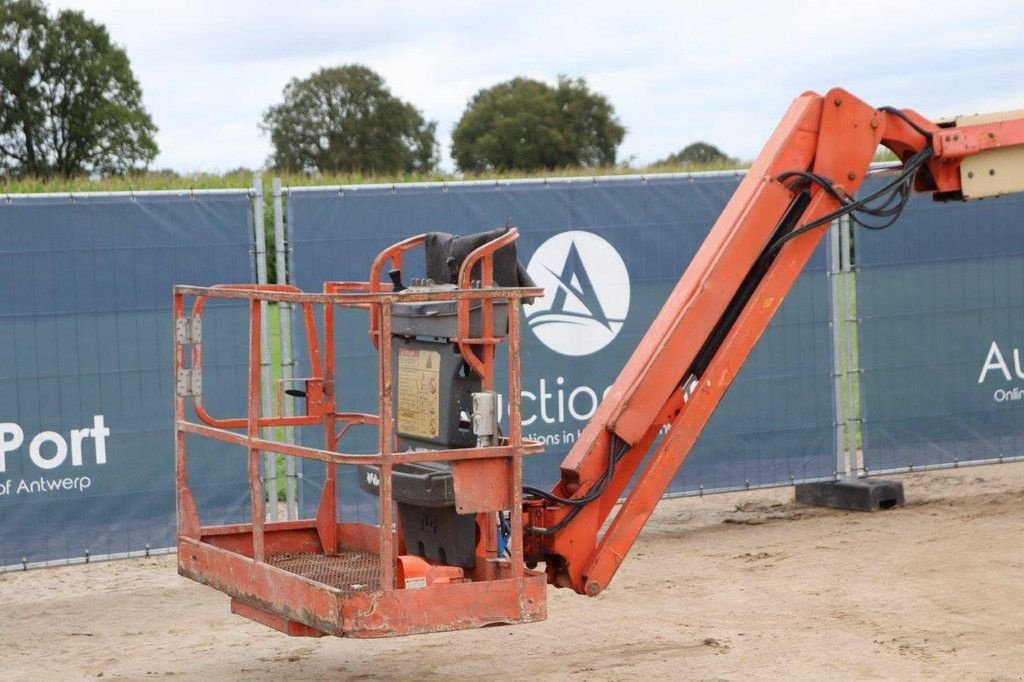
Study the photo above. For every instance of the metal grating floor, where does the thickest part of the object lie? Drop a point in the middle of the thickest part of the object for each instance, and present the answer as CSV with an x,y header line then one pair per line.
x,y
349,571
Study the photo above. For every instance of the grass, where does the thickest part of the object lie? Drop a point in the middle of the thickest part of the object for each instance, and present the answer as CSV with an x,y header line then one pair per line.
x,y
141,182
278,433
355,178
848,346
242,179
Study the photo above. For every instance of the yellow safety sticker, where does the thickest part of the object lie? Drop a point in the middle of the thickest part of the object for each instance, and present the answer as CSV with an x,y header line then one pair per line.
x,y
419,403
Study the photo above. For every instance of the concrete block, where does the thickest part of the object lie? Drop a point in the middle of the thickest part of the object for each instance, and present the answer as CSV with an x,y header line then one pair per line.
x,y
859,495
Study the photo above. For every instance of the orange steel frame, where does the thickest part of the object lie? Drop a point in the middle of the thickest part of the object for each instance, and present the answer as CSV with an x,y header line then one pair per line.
x,y
834,136
238,559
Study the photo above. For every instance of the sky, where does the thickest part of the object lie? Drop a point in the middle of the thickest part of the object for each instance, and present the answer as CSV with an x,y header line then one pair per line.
x,y
676,72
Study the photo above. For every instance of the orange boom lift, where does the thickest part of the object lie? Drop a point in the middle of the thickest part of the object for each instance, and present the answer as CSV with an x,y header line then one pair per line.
x,y
462,548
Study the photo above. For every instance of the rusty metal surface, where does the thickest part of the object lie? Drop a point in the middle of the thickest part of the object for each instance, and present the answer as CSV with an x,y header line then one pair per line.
x,y
281,598
359,300
481,485
348,571
278,592
529,447
272,620
441,608
482,363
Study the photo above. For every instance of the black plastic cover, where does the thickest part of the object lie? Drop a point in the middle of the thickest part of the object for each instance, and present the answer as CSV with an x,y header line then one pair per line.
x,y
446,252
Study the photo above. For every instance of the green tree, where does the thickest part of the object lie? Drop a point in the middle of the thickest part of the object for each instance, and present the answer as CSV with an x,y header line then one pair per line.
x,y
525,124
346,119
69,103
697,154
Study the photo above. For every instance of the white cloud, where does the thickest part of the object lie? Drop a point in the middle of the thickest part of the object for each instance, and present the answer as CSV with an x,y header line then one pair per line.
x,y
676,72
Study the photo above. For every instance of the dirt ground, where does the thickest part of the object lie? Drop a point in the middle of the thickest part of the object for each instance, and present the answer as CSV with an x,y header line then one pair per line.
x,y
737,586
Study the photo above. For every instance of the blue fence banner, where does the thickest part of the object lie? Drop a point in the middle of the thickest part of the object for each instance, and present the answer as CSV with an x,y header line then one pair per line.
x,y
612,249
86,368
86,385
941,301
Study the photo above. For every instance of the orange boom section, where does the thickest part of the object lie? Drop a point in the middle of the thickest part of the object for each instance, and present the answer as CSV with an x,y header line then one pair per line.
x,y
804,178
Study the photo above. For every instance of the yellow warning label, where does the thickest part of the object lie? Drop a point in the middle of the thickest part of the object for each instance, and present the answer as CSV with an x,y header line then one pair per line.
x,y
418,398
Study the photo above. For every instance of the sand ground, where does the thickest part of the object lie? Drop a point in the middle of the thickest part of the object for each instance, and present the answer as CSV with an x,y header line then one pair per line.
x,y
737,586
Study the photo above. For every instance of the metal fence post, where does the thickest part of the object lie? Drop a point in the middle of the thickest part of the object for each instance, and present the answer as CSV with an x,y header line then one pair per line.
x,y
290,271
836,323
260,241
849,316
284,323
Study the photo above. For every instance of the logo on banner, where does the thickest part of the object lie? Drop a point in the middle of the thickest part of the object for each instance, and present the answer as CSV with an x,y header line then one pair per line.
x,y
998,365
49,451
586,293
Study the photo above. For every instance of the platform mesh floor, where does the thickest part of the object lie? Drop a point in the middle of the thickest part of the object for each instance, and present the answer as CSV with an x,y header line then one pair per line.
x,y
349,571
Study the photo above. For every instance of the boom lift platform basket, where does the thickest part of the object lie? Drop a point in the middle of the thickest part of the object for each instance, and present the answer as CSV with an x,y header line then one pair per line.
x,y
325,575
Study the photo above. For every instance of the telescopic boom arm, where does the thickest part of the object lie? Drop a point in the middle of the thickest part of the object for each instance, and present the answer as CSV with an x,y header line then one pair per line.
x,y
804,179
